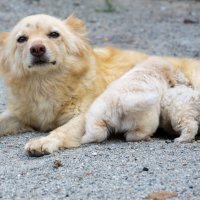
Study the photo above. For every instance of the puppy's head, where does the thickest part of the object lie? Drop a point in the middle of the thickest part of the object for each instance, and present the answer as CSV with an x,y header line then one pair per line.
x,y
41,43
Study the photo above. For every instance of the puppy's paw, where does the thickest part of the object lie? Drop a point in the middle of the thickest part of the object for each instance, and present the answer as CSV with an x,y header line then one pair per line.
x,y
41,146
183,140
137,136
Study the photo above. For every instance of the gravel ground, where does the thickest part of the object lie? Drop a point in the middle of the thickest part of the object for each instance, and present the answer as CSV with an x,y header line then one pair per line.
x,y
114,169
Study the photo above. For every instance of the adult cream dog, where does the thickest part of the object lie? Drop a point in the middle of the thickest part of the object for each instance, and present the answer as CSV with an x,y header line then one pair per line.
x,y
53,75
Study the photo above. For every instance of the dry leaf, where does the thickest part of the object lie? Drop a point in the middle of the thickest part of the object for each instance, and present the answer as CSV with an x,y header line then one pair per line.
x,y
57,164
163,195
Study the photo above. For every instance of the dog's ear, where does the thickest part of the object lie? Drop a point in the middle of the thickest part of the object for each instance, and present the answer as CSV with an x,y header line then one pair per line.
x,y
3,37
75,24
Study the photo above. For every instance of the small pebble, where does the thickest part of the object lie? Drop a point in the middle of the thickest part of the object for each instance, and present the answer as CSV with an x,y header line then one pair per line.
x,y
57,164
145,169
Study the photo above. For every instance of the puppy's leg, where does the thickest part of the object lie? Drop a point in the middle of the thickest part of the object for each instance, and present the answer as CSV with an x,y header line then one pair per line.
x,y
146,126
9,124
137,135
188,129
95,132
66,136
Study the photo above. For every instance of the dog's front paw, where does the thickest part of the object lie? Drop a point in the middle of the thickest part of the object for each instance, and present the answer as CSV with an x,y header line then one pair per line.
x,y
41,146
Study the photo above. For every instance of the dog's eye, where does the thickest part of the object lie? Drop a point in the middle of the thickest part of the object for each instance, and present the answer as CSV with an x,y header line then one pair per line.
x,y
53,34
22,39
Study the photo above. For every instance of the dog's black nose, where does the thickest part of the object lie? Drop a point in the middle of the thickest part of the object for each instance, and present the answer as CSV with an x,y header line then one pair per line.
x,y
38,50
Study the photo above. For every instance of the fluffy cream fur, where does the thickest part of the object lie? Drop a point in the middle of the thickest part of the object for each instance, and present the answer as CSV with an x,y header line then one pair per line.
x,y
56,96
180,112
131,104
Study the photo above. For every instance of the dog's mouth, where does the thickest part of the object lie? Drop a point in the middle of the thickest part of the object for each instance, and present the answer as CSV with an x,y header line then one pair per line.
x,y
40,62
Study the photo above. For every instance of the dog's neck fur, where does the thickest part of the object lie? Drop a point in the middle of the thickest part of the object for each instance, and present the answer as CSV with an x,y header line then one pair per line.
x,y
39,100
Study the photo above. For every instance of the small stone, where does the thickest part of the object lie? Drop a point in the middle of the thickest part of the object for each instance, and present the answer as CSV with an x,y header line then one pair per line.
x,y
190,21
145,169
76,4
168,141
196,54
94,153
57,164
88,174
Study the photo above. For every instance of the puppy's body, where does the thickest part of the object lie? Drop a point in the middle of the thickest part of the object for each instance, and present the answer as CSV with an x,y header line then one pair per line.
x,y
131,103
55,96
180,112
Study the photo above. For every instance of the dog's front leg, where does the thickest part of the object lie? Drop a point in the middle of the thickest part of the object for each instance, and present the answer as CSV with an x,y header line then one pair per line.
x,y
10,124
66,136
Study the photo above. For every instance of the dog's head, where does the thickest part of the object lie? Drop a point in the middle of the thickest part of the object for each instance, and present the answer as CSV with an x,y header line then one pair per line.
x,y
41,43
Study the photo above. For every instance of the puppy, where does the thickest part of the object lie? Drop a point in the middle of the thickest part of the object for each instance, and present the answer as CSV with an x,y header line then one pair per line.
x,y
131,104
53,75
180,112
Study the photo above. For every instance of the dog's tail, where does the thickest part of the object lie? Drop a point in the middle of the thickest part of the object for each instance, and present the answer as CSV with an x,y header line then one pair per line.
x,y
139,102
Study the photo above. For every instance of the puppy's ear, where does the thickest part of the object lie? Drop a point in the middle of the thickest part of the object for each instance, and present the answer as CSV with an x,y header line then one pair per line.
x,y
170,77
75,24
3,37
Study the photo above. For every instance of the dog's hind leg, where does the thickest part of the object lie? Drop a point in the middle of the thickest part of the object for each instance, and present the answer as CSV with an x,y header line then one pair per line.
x,y
95,132
10,124
188,129
146,127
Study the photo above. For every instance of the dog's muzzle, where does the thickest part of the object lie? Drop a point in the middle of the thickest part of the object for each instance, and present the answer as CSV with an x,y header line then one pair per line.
x,y
39,57
38,50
